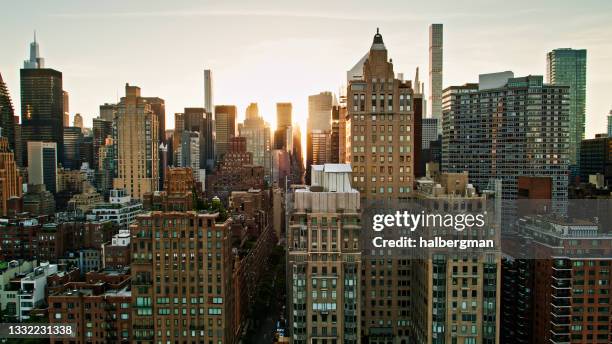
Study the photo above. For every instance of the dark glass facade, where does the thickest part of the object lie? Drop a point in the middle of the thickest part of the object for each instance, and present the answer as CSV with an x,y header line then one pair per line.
x,y
42,108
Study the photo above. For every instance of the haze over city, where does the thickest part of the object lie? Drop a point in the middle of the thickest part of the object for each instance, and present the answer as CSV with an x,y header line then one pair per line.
x,y
271,51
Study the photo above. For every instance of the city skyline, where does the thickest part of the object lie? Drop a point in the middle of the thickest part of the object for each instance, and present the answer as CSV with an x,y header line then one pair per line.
x,y
280,42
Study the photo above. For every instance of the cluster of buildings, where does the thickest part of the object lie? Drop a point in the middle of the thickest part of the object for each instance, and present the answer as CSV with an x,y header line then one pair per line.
x,y
138,233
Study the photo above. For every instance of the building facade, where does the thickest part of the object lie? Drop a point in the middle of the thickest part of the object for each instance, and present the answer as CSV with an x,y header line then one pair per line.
x,y
324,258
501,103
567,67
225,128
137,145
380,125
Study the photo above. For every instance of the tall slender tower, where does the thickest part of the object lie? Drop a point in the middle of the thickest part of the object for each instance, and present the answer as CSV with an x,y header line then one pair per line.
x,y
567,67
42,103
35,61
435,72
208,91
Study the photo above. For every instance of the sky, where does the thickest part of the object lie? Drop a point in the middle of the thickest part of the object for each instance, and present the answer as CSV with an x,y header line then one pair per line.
x,y
279,51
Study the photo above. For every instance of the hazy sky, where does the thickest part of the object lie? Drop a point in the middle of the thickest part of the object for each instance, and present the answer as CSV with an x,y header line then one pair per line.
x,y
272,51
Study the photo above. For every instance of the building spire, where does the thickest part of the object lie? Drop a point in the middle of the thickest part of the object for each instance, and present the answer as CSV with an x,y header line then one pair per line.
x,y
34,36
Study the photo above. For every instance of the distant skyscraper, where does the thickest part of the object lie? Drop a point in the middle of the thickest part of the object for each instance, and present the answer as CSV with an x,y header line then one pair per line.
x,y
282,135
567,67
201,121
258,140
225,128
10,180
137,145
610,124
189,153
318,130
66,97
474,137
102,130
158,106
78,121
208,91
436,61
42,107
73,140
42,164
35,61
7,115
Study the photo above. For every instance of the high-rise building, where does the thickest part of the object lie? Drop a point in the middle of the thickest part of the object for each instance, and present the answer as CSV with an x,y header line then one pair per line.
x,y
190,151
193,277
42,107
502,104
208,91
42,164
567,67
78,121
7,115
324,293
610,124
283,133
137,145
102,130
35,61
436,62
201,121
454,297
596,158
158,106
258,140
381,114
73,141
66,98
10,180
429,131
225,128
318,130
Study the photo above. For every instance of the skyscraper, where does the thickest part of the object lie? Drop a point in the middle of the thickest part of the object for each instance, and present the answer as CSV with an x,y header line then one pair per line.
x,y
7,115
436,62
225,128
258,140
324,294
208,91
201,121
567,67
536,113
78,121
318,130
137,145
66,109
73,140
381,111
42,103
102,129
190,152
610,124
42,164
35,61
282,135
